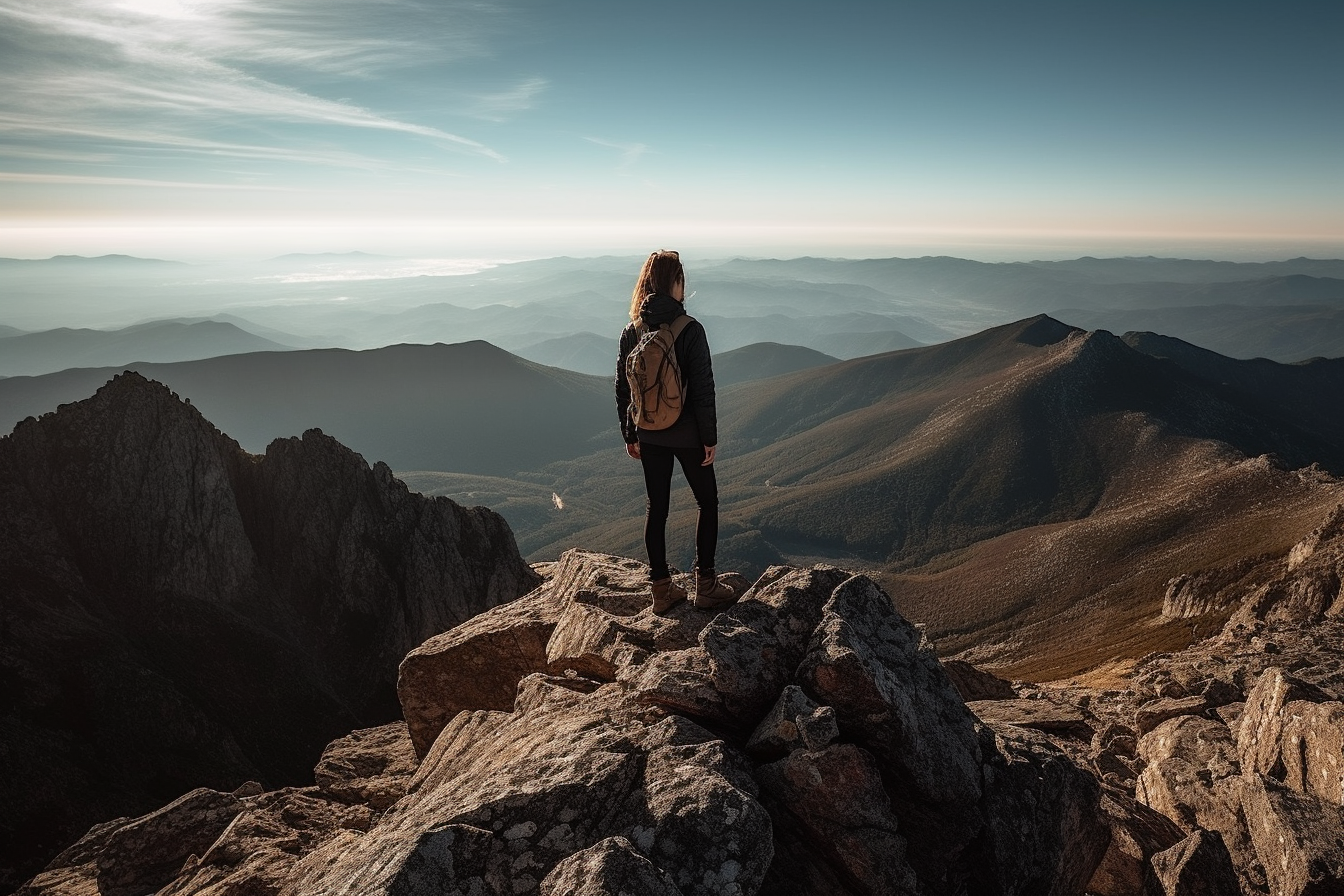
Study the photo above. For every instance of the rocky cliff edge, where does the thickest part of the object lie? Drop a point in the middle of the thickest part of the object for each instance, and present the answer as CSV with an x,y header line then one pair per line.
x,y
806,740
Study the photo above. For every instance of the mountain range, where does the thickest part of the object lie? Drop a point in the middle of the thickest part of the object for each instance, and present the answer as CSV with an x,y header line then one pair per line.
x,y
927,467
845,308
1142,534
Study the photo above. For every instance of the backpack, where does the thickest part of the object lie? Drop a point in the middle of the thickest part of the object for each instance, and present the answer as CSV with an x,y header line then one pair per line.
x,y
654,375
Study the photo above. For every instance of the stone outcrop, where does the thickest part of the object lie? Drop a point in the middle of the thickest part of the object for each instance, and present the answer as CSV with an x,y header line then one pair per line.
x,y
1240,741
804,741
177,612
1197,866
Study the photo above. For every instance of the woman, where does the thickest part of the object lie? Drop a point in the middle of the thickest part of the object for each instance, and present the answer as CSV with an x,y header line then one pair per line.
x,y
692,440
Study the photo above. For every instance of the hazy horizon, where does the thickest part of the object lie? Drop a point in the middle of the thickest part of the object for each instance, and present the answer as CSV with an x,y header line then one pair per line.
x,y
443,263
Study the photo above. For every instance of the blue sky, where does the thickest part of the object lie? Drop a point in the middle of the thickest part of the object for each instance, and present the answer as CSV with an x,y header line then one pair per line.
x,y
199,128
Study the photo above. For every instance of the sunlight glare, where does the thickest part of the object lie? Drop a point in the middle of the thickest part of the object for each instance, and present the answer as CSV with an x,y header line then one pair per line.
x,y
163,9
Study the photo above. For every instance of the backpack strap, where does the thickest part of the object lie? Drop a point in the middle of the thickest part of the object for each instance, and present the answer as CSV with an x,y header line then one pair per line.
x,y
676,326
679,324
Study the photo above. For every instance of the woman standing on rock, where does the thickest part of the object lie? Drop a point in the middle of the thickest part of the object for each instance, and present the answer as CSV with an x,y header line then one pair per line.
x,y
657,311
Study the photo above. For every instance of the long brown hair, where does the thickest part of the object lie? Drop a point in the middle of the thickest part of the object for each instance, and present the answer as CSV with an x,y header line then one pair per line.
x,y
662,270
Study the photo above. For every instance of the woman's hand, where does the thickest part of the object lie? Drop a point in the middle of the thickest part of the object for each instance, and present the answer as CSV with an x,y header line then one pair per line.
x,y
710,451
632,449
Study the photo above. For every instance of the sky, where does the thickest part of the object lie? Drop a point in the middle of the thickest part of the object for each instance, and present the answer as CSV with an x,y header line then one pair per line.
x,y
203,129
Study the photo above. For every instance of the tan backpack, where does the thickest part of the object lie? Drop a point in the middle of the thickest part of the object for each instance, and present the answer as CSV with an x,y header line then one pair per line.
x,y
656,393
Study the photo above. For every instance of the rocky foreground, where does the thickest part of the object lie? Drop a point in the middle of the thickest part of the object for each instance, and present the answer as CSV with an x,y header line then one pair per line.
x,y
805,741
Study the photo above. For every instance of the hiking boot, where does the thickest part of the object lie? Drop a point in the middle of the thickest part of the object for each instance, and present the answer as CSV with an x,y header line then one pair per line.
x,y
666,595
710,593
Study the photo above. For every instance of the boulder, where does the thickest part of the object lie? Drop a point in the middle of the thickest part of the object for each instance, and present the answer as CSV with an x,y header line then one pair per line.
x,y
476,665
1299,840
606,620
830,807
892,697
1155,712
1199,865
370,767
1137,834
755,645
132,857
1042,831
1056,717
1311,750
610,867
1193,776
1260,728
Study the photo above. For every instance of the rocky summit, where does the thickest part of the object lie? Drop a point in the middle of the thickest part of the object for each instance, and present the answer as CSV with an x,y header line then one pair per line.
x,y
807,740
178,612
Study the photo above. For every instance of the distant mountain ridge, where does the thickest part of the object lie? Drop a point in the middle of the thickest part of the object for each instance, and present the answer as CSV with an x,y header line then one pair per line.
x,y
1284,333
98,260
840,307
50,351
470,407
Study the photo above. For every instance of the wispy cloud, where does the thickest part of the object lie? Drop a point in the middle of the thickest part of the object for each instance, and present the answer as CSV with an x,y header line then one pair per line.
x,y
630,152
195,75
99,180
151,145
505,104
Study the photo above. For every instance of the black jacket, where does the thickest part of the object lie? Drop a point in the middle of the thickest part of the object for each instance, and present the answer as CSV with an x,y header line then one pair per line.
x,y
698,423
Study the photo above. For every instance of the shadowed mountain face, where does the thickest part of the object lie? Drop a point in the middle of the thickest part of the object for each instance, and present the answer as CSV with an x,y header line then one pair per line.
x,y
469,407
1285,333
1301,395
178,612
764,360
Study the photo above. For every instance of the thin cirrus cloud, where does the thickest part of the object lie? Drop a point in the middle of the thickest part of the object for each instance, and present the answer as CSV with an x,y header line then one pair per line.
x,y
499,106
630,152
153,143
99,180
199,76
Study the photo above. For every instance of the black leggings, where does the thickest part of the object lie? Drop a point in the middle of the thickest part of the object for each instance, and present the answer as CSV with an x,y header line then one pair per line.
x,y
657,463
